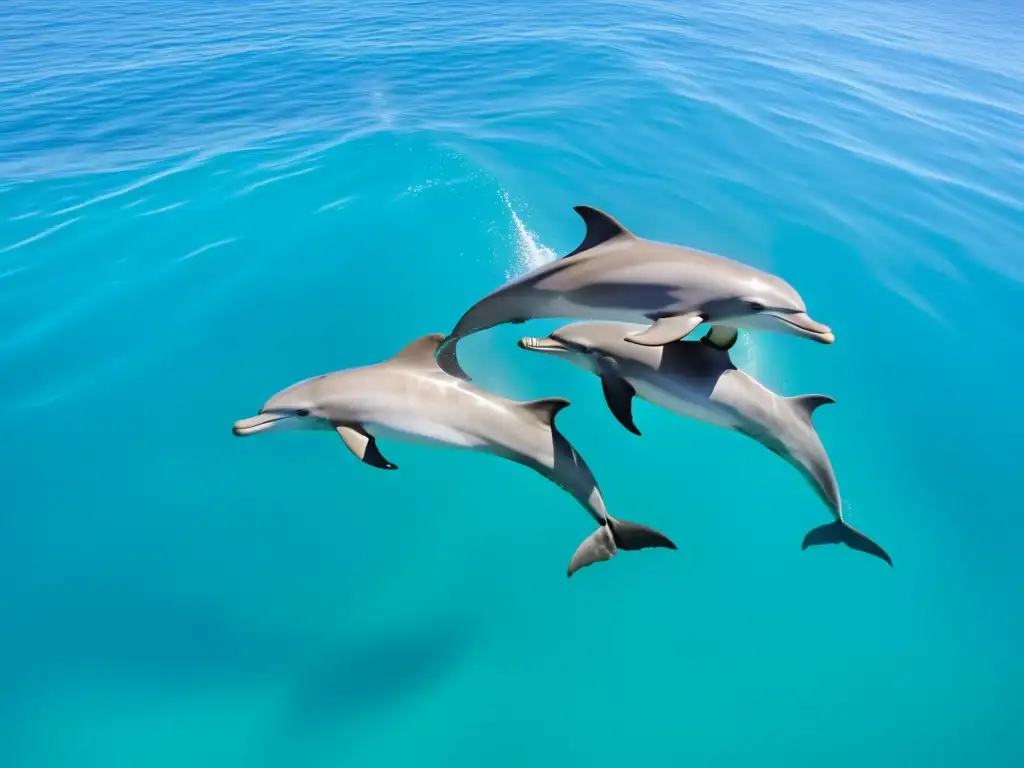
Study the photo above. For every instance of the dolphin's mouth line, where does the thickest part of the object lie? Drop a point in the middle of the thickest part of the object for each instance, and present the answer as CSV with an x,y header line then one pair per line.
x,y
814,330
540,345
258,423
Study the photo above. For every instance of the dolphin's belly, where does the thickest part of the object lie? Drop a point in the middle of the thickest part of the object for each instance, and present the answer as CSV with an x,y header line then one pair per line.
x,y
684,401
449,416
422,430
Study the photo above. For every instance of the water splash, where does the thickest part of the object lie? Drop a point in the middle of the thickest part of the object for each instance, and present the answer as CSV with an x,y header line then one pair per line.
x,y
746,357
530,253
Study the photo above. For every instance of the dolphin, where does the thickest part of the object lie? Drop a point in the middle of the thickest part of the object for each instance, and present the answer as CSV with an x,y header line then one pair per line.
x,y
615,275
408,398
698,379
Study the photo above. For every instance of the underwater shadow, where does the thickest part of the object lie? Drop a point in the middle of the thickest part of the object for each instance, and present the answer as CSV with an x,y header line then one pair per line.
x,y
155,637
378,672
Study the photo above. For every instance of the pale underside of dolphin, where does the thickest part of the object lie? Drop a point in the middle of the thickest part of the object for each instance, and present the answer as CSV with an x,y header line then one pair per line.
x,y
615,275
698,379
408,398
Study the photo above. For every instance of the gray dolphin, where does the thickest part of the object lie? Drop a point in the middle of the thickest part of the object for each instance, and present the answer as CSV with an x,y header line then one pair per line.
x,y
409,398
615,275
698,379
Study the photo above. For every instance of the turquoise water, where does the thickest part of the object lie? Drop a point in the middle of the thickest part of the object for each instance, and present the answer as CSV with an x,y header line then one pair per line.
x,y
203,202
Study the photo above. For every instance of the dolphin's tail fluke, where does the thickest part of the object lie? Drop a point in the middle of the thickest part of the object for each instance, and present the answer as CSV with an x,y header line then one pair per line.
x,y
448,361
609,538
840,532
630,536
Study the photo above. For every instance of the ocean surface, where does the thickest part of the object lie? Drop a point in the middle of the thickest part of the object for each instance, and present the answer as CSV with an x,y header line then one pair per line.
x,y
202,202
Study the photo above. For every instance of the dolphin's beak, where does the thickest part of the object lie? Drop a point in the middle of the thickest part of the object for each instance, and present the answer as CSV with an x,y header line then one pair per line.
x,y
264,422
801,324
531,344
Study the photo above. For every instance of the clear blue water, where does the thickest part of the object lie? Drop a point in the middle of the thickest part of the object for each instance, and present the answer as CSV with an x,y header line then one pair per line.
x,y
203,202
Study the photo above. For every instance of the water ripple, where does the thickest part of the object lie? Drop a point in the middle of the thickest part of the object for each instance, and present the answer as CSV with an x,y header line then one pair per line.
x,y
274,179
208,247
199,202
39,235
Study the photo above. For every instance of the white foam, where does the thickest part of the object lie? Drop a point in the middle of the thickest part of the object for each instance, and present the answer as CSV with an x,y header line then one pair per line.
x,y
530,253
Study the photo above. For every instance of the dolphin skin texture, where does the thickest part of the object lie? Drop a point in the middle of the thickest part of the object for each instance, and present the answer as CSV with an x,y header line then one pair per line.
x,y
409,398
697,379
668,289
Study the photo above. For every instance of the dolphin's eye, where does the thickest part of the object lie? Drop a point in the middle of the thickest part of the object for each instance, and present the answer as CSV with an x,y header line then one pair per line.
x,y
302,413
757,306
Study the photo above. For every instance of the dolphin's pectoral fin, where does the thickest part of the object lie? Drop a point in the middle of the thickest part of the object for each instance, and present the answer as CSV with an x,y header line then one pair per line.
x,y
600,229
363,446
806,404
721,337
618,393
666,330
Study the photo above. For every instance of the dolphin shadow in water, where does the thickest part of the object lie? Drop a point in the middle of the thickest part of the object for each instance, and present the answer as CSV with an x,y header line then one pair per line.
x,y
378,672
144,632
125,631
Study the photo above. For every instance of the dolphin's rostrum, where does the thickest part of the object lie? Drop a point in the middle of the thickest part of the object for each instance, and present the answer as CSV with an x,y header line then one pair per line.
x,y
698,379
615,275
409,398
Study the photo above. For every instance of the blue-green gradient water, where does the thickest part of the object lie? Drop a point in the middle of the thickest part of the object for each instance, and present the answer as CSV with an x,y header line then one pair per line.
x,y
203,202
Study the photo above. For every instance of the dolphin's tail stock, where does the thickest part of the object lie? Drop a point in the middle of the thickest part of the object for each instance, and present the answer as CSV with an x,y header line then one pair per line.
x,y
840,532
612,536
448,360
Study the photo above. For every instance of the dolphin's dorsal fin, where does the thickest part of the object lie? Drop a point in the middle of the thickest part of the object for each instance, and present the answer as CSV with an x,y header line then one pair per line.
x,y
448,361
421,351
805,404
600,228
546,408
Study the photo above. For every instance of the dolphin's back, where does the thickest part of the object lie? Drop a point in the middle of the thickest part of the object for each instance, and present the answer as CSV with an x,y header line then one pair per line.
x,y
626,279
